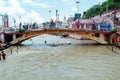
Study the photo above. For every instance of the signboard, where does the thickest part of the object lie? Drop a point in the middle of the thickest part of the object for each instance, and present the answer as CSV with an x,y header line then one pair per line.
x,y
105,26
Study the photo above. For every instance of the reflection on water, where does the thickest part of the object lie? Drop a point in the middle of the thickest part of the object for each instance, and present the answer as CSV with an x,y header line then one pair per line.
x,y
35,60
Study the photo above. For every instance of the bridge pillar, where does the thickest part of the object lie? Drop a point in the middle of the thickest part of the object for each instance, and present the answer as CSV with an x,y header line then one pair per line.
x,y
14,36
113,39
102,36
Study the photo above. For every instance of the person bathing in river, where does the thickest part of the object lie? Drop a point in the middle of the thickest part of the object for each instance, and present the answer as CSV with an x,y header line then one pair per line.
x,y
45,41
3,55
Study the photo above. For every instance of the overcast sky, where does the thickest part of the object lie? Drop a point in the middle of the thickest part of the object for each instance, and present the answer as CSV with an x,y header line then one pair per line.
x,y
29,11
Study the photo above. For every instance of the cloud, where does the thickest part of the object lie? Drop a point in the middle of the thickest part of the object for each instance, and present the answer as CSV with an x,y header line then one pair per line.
x,y
66,0
14,10
2,2
43,5
11,7
40,5
73,8
27,1
31,17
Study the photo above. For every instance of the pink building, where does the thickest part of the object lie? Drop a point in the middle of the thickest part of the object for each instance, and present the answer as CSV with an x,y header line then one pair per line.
x,y
86,24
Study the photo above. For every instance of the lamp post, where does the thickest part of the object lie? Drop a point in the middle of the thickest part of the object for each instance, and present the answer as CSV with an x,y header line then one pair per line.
x,y
107,6
56,17
77,2
20,24
49,14
115,8
14,24
56,14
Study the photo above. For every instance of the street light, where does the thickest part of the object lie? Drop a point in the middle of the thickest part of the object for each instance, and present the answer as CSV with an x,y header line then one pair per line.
x,y
107,6
49,14
77,2
14,24
20,24
56,17
115,8
56,14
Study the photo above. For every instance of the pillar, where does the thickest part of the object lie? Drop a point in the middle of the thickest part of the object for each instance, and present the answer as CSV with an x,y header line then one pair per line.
x,y
102,36
14,36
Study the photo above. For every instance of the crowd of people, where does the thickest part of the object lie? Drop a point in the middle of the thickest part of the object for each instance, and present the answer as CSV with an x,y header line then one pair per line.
x,y
53,24
27,26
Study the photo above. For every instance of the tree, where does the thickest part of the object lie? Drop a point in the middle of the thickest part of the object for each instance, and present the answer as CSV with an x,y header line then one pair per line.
x,y
116,1
99,9
77,16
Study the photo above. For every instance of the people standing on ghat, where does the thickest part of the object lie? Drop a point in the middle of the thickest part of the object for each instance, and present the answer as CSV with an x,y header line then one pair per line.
x,y
34,26
3,55
77,24
52,24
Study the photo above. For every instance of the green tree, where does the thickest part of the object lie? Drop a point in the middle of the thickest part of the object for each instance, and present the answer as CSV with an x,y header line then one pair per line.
x,y
99,9
77,16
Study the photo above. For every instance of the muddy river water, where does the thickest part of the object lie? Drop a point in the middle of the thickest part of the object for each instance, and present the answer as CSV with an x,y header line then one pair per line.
x,y
82,60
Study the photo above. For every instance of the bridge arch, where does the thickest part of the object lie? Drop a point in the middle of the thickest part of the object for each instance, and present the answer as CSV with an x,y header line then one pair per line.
x,y
30,34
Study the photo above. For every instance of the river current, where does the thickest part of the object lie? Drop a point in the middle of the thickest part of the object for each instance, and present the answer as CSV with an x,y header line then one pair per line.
x,y
81,60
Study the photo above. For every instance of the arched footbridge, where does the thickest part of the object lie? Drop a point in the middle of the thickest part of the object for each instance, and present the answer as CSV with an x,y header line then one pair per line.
x,y
98,36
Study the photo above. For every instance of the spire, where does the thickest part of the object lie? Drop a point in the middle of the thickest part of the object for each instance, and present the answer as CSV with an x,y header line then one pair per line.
x,y
64,23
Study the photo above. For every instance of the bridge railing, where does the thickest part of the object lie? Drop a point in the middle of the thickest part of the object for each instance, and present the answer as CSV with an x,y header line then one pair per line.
x,y
48,28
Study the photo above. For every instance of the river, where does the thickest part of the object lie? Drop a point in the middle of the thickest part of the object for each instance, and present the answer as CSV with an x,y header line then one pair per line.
x,y
82,60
